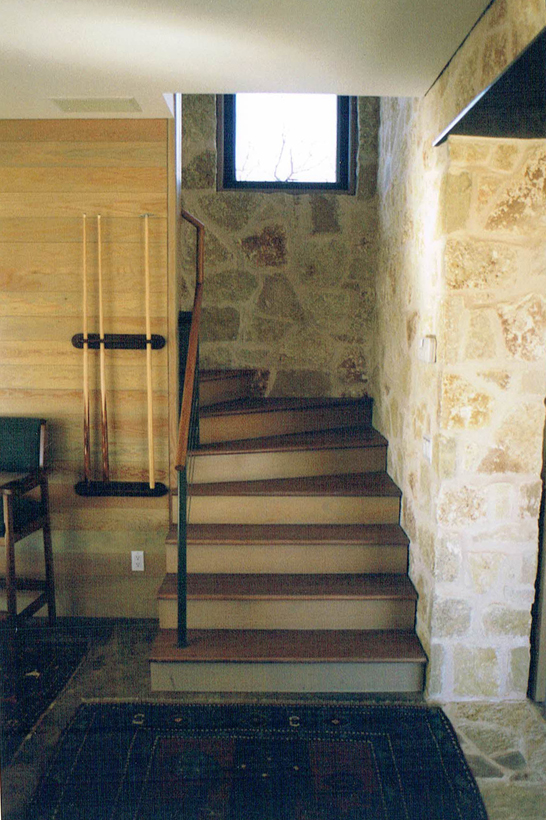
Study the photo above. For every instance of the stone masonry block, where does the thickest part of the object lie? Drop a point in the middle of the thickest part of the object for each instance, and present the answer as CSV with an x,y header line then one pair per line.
x,y
475,264
457,195
463,405
279,299
268,248
451,618
502,620
476,672
524,327
459,506
219,324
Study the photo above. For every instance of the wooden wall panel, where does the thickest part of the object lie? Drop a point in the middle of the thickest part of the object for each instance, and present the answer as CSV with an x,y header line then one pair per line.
x,y
57,267
83,180
76,131
75,154
59,229
62,204
50,173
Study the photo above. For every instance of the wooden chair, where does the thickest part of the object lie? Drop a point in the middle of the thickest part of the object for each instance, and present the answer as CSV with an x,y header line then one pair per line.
x,y
22,469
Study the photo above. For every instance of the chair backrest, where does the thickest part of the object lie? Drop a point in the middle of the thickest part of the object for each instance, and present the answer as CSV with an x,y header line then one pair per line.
x,y
21,444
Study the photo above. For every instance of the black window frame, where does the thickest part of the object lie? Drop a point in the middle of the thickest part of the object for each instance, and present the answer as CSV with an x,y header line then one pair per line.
x,y
346,153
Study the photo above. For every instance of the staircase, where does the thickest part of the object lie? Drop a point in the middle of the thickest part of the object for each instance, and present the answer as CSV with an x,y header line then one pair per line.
x,y
297,566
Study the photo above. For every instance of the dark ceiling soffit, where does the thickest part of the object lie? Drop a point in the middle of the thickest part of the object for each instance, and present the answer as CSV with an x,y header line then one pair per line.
x,y
513,106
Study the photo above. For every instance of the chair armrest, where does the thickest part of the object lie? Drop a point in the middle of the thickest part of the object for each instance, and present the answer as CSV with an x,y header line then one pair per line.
x,y
23,484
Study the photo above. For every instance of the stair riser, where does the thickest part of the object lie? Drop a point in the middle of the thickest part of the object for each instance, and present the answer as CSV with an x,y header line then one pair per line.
x,y
257,466
325,642
289,558
214,391
291,614
287,677
293,510
280,422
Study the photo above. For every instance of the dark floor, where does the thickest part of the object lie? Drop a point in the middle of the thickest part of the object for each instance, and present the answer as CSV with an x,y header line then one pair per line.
x,y
115,666
504,743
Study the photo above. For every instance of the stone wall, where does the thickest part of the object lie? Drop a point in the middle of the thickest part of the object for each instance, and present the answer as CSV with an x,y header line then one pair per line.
x,y
290,278
493,383
409,288
460,258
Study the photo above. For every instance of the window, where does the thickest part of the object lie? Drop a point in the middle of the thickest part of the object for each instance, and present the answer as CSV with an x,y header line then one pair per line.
x,y
286,142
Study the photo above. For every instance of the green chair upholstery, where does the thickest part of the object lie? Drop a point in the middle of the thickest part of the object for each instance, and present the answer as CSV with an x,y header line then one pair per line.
x,y
22,469
25,511
20,444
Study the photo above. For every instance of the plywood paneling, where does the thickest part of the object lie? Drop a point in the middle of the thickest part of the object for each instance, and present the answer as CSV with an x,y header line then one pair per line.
x,y
57,267
57,404
75,131
50,173
47,228
74,154
109,204
42,329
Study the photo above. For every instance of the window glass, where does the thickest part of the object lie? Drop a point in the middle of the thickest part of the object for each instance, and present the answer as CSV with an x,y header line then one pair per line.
x,y
293,142
286,137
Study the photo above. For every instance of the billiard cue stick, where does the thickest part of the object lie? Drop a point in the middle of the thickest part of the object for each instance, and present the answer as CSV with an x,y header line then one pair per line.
x,y
151,460
103,414
86,441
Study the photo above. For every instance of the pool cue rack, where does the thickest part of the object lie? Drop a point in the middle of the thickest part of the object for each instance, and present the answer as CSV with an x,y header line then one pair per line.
x,y
118,341
141,489
93,489
101,342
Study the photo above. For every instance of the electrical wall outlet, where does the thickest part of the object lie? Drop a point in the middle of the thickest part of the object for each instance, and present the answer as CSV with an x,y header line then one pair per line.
x,y
137,561
427,449
426,352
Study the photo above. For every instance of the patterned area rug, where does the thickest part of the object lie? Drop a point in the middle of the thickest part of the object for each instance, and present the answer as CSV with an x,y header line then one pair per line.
x,y
244,762
31,684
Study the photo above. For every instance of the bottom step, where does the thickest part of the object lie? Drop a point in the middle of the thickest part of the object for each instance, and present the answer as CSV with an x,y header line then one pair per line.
x,y
288,661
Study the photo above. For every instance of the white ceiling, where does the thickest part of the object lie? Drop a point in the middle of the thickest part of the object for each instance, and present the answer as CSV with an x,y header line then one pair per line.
x,y
147,48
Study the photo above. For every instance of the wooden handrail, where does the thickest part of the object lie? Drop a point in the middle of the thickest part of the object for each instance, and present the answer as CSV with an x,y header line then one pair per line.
x,y
191,358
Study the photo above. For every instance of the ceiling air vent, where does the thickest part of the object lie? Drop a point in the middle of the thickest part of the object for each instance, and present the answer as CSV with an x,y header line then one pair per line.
x,y
97,105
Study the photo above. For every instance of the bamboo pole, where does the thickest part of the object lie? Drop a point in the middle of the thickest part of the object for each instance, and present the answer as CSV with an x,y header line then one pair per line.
x,y
86,432
103,414
151,459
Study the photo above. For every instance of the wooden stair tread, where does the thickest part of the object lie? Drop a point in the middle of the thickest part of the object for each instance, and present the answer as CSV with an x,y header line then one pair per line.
x,y
217,374
278,534
298,586
287,610
343,437
285,646
271,405
352,484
